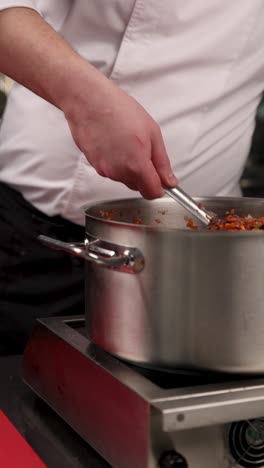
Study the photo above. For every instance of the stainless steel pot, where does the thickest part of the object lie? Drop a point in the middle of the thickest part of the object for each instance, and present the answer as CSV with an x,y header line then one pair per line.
x,y
159,294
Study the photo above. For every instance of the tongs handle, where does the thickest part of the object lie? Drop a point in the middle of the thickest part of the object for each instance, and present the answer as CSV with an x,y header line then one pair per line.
x,y
189,204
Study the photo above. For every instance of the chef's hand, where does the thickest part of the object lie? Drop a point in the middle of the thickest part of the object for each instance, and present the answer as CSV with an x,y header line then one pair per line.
x,y
118,137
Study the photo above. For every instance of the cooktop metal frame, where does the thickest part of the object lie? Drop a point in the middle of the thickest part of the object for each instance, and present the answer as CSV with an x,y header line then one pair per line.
x,y
115,408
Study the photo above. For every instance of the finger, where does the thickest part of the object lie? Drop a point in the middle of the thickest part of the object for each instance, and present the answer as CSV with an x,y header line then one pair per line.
x,y
161,160
128,173
132,186
138,173
148,181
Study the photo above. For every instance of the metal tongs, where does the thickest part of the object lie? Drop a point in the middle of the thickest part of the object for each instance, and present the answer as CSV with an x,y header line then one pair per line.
x,y
190,204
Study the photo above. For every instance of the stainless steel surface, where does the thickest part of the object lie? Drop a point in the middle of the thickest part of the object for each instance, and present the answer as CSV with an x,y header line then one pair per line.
x,y
212,407
120,258
178,194
128,419
198,302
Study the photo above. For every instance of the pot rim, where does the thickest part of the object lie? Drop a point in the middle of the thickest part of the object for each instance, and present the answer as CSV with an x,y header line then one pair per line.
x,y
177,231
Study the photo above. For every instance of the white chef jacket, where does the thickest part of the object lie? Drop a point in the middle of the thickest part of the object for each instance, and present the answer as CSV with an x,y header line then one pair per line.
x,y
197,66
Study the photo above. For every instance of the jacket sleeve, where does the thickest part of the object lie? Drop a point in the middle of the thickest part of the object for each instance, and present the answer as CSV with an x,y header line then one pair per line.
x,y
19,3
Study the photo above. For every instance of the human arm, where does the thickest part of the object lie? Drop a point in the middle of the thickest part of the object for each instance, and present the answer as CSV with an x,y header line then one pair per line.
x,y
118,137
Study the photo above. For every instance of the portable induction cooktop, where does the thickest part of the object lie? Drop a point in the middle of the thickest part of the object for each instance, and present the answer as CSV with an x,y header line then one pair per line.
x,y
143,418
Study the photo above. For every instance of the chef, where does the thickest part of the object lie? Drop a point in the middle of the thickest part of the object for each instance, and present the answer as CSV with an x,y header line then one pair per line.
x,y
112,99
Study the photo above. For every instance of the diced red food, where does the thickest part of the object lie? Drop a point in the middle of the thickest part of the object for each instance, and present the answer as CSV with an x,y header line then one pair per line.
x,y
190,224
137,220
107,214
232,222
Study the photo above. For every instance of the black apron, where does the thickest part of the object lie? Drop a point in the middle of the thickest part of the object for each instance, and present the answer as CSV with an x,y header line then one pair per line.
x,y
35,281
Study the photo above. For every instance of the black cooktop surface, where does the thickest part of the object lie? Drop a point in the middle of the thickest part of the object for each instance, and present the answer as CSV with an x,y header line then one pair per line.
x,y
176,378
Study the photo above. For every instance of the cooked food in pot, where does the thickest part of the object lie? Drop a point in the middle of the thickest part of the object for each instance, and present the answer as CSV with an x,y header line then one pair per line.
x,y
232,222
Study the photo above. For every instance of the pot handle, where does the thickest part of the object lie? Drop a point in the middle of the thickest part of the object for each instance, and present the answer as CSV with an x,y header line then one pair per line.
x,y
125,259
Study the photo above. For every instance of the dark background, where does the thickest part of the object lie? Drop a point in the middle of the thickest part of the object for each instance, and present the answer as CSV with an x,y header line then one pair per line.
x,y
2,102
252,181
